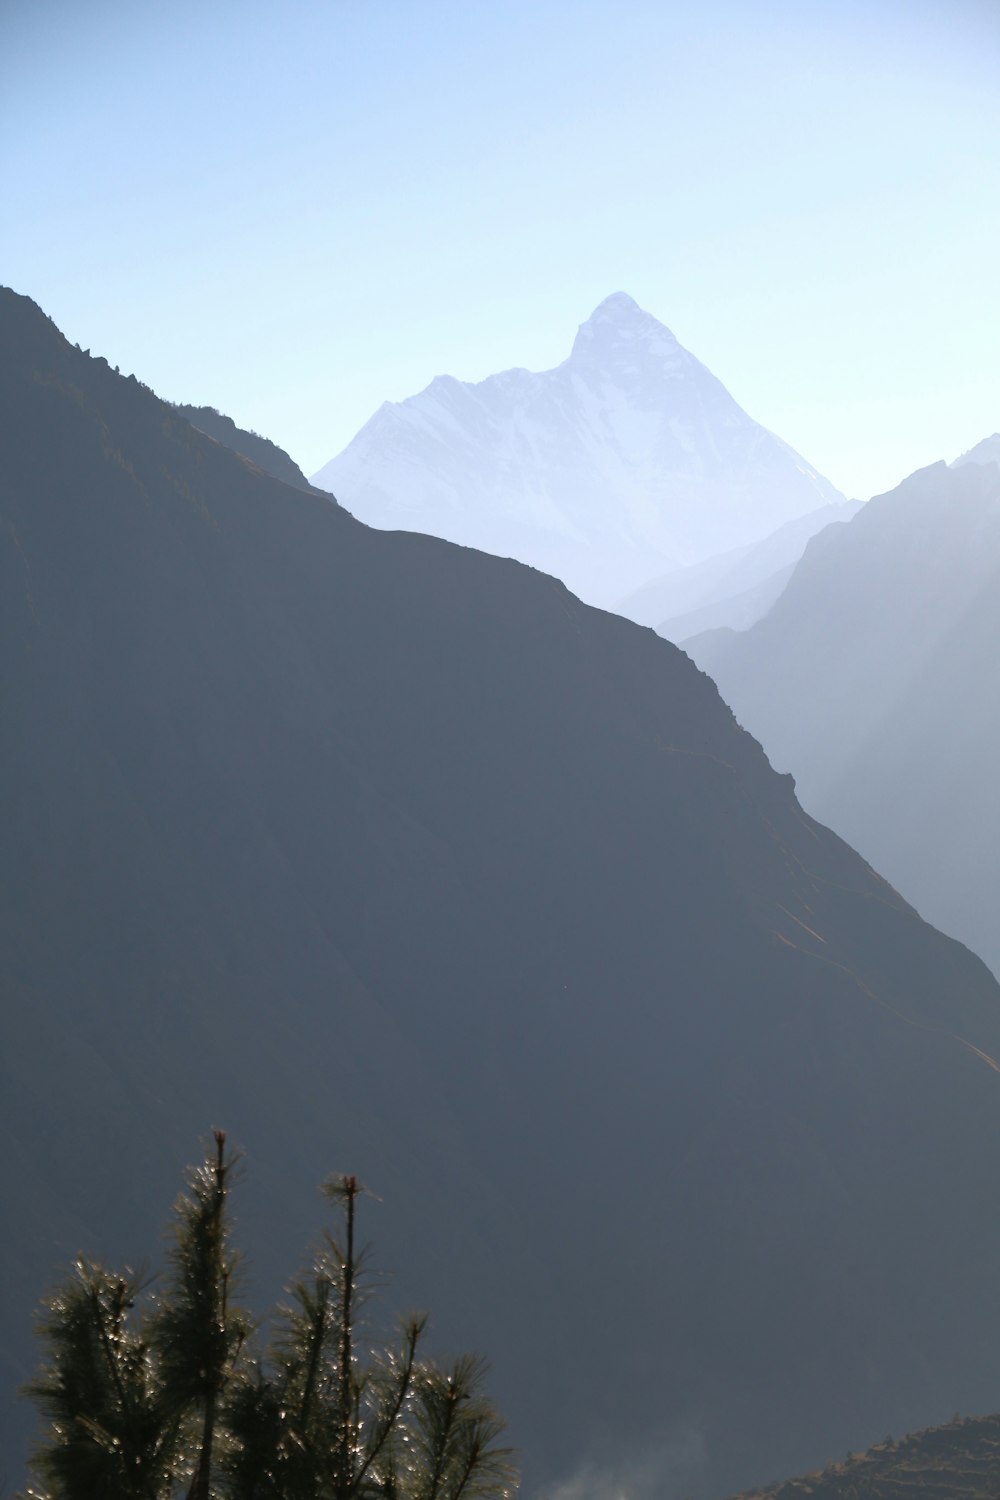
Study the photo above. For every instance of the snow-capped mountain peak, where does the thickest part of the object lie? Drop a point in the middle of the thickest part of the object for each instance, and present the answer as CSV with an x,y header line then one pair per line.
x,y
628,458
986,452
620,337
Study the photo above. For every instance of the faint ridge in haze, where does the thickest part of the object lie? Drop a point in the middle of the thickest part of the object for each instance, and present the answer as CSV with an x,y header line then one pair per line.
x,y
985,452
734,589
874,680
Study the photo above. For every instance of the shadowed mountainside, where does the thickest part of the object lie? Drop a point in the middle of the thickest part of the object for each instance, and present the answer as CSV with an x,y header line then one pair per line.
x,y
259,450
392,856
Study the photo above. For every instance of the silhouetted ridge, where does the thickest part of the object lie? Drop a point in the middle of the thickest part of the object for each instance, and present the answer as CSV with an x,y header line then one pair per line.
x,y
393,855
259,450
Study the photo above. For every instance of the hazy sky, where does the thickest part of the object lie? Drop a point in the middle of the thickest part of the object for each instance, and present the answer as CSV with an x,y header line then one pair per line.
x,y
296,211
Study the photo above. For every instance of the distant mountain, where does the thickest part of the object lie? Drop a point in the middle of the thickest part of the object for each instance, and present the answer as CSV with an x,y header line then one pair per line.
x,y
259,450
986,452
874,679
394,857
958,1461
627,459
734,589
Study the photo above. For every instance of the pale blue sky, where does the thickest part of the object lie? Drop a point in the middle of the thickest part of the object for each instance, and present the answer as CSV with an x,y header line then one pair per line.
x,y
296,211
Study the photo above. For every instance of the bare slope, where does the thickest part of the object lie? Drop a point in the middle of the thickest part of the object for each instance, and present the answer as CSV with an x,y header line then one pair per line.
x,y
392,856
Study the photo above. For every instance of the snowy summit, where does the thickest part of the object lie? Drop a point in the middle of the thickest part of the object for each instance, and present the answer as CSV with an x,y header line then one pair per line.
x,y
627,458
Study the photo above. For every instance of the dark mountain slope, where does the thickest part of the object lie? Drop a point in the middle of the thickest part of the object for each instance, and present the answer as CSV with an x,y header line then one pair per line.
x,y
958,1461
259,450
874,679
393,856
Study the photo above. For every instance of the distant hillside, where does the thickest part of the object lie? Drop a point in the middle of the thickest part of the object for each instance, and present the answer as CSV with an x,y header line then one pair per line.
x,y
986,452
735,589
959,1461
873,680
259,450
628,459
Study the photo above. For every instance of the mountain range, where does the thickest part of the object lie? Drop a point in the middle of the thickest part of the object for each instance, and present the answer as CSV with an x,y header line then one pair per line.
x,y
396,858
628,459
873,678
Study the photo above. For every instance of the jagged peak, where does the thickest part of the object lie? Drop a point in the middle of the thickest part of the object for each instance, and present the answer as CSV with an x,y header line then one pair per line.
x,y
985,452
619,322
617,304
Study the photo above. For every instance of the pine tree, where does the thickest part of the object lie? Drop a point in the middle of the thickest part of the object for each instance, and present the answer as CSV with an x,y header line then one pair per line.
x,y
109,1432
171,1400
196,1333
316,1421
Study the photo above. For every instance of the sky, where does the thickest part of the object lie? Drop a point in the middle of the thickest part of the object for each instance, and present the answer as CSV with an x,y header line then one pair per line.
x,y
295,212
